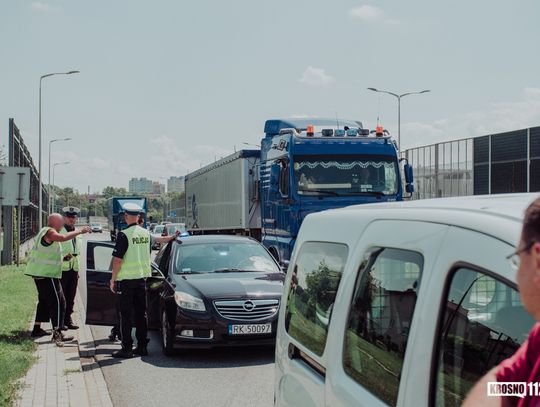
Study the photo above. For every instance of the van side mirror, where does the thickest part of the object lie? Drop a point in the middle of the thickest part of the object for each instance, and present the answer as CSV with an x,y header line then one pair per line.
x,y
285,266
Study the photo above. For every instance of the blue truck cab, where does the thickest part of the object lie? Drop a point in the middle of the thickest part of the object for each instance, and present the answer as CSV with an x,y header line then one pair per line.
x,y
311,165
116,213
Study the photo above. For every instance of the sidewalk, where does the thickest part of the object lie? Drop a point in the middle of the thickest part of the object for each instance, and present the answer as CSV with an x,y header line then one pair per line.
x,y
67,376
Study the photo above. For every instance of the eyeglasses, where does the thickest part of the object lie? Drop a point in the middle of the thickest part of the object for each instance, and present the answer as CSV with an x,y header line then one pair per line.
x,y
514,258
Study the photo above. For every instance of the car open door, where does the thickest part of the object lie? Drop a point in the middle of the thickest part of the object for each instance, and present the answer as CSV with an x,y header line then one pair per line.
x,y
100,301
154,287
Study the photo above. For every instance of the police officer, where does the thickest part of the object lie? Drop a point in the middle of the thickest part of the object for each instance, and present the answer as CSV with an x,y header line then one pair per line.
x,y
45,266
71,250
131,267
115,331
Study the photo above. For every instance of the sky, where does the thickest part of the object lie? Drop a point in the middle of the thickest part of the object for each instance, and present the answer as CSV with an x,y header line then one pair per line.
x,y
168,86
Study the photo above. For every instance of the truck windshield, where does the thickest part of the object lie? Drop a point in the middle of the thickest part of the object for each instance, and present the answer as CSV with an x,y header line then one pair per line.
x,y
321,175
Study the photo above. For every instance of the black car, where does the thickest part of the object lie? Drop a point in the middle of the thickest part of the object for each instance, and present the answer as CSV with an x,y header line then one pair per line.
x,y
205,291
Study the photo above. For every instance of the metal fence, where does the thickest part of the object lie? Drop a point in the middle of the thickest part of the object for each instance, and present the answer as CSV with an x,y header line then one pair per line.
x,y
492,164
19,156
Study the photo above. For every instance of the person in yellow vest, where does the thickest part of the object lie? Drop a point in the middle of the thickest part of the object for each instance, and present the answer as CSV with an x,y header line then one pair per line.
x,y
71,250
130,268
115,331
45,266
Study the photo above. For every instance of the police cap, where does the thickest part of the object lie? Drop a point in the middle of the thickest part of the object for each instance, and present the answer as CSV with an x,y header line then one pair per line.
x,y
132,208
71,211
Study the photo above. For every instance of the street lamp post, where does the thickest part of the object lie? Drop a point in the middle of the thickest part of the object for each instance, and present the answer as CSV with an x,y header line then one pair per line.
x,y
53,171
49,176
39,158
398,97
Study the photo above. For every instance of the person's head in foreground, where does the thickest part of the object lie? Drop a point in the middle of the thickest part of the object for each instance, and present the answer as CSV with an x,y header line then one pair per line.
x,y
524,365
528,259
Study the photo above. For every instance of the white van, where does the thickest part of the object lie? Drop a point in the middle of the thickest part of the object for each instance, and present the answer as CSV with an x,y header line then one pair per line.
x,y
403,304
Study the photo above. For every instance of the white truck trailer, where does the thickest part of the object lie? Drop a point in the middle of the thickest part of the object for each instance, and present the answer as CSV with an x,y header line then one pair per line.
x,y
222,197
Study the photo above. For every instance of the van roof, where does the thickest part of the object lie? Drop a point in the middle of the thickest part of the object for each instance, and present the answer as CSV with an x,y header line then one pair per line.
x,y
497,215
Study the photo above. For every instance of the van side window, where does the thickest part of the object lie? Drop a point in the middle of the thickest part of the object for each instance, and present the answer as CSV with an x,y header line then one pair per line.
x,y
314,284
380,318
482,324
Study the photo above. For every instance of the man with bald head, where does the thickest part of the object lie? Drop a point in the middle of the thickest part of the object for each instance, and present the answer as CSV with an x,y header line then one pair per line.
x,y
45,266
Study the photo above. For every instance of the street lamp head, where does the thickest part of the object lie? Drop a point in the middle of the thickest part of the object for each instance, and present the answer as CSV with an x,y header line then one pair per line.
x,y
62,163
70,72
425,91
373,89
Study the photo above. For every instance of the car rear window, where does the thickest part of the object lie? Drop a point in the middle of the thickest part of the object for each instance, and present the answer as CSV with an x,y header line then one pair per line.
x,y
314,283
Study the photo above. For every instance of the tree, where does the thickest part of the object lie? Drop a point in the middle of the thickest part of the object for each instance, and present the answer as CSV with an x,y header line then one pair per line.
x,y
322,285
109,192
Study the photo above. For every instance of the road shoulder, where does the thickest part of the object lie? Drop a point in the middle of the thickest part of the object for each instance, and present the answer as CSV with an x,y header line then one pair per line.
x,y
67,376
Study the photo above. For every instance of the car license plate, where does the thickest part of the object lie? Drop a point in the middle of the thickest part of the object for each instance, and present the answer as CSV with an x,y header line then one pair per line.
x,y
254,329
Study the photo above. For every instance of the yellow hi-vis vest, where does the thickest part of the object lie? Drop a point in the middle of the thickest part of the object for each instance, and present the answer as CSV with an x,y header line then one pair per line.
x,y
136,261
71,247
44,261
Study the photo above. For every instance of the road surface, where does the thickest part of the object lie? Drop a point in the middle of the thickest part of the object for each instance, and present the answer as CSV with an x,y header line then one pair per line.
x,y
222,377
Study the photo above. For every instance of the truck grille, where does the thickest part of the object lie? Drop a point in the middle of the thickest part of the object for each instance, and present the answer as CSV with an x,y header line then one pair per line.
x,y
247,310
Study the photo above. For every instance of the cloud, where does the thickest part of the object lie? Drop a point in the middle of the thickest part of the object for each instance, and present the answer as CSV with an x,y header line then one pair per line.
x,y
371,14
316,77
166,156
496,118
40,7
179,161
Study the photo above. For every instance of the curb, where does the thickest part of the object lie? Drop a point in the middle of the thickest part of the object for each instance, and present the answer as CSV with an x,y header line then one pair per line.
x,y
87,346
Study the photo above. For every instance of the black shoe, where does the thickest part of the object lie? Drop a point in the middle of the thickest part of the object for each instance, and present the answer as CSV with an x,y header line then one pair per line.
x,y
123,354
57,338
71,325
113,337
39,332
142,348
63,328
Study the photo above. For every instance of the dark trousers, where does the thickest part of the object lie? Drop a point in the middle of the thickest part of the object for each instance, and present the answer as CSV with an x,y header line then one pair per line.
x,y
131,297
51,302
70,279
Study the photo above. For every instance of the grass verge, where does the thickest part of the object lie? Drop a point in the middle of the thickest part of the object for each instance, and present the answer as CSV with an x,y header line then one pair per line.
x,y
17,305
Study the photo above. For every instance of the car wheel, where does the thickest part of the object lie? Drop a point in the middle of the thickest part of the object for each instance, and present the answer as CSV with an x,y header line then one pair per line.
x,y
166,335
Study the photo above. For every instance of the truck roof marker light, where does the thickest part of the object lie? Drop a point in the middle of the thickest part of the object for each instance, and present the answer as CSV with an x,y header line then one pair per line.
x,y
379,131
310,131
327,132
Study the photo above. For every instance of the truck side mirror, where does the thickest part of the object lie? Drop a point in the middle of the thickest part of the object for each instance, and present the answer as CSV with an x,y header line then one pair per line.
x,y
409,178
274,178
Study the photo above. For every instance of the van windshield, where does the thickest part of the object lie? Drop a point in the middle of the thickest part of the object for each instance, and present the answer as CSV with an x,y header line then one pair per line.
x,y
335,175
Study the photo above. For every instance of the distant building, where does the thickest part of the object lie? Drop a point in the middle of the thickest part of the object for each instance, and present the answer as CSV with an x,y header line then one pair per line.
x,y
157,188
175,184
141,186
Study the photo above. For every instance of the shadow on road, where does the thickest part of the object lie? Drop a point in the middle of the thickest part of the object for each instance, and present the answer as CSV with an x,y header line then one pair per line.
x,y
191,358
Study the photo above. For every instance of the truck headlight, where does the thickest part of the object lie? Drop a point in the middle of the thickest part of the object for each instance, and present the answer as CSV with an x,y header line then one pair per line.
x,y
188,301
